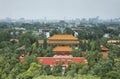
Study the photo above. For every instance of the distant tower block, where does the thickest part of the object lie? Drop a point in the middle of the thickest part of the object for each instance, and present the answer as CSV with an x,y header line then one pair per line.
x,y
75,33
47,34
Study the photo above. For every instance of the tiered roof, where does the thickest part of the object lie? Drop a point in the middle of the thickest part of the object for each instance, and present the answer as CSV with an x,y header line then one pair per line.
x,y
62,48
104,50
63,37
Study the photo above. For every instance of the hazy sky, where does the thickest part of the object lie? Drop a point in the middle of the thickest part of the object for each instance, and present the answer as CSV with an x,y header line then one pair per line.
x,y
59,9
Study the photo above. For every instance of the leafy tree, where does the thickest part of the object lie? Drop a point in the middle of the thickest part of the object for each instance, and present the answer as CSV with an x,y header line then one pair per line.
x,y
45,44
55,31
111,75
77,53
4,36
27,39
68,31
46,70
57,70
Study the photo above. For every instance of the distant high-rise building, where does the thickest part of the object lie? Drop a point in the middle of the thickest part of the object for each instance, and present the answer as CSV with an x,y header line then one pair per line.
x,y
47,34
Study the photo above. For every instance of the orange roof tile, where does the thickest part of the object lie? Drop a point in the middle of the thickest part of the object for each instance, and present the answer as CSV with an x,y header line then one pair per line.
x,y
113,41
63,37
103,48
62,48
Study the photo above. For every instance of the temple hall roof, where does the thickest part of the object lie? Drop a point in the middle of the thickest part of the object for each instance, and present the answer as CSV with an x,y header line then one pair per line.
x,y
62,48
113,41
103,48
63,37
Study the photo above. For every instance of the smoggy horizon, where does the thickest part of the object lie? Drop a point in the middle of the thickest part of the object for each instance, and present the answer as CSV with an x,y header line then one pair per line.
x,y
59,9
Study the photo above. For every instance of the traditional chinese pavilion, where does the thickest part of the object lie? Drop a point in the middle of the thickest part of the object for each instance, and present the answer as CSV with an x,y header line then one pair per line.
x,y
62,51
62,39
104,50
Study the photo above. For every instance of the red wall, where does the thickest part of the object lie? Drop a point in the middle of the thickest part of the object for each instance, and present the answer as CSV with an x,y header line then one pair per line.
x,y
53,61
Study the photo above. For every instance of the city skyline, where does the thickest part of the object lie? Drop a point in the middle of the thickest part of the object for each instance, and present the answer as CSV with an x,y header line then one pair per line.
x,y
59,9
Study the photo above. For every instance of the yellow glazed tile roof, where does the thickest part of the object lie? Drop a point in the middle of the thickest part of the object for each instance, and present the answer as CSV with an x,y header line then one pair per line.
x,y
62,48
103,48
63,37
113,41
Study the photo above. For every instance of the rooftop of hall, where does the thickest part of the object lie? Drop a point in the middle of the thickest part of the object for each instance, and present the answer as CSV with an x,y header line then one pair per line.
x,y
62,48
62,37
